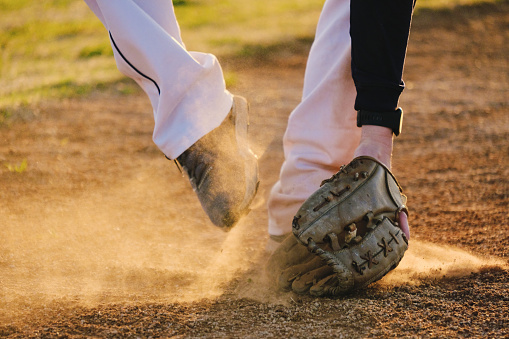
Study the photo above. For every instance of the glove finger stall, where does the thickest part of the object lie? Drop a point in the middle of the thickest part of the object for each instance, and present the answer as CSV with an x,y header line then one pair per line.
x,y
306,281
295,272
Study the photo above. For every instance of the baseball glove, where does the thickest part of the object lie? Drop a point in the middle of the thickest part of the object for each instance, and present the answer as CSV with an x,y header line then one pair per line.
x,y
349,230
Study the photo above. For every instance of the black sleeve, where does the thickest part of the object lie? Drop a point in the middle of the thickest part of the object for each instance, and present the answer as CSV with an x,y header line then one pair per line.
x,y
379,30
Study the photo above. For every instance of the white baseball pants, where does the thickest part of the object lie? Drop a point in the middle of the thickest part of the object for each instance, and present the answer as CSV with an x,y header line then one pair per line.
x,y
189,98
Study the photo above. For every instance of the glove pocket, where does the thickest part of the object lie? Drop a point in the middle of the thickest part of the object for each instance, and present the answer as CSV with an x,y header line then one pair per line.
x,y
341,211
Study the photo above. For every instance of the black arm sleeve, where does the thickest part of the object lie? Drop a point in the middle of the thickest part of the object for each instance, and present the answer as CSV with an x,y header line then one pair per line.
x,y
379,30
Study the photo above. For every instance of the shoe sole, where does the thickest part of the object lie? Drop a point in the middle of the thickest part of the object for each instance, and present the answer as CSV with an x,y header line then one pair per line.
x,y
240,112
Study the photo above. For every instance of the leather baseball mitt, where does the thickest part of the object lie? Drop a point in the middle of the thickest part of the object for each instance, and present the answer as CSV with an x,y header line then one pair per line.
x,y
349,231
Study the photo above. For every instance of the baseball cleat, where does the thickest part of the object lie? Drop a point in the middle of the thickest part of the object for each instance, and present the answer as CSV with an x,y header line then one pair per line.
x,y
222,169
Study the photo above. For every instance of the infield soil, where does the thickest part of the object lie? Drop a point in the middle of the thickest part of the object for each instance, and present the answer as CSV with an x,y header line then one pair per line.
x,y
102,237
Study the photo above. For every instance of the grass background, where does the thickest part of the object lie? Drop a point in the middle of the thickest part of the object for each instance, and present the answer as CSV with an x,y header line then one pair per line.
x,y
56,49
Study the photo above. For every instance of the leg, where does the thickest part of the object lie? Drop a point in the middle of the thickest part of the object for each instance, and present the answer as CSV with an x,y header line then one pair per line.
x,y
186,90
197,121
321,134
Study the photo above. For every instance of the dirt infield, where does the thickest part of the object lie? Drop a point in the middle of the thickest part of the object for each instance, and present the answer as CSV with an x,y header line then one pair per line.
x,y
101,237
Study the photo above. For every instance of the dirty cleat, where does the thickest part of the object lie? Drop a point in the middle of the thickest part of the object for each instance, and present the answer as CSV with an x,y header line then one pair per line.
x,y
222,169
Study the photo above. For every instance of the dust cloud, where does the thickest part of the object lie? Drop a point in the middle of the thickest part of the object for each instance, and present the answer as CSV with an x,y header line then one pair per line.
x,y
425,260
133,241
137,241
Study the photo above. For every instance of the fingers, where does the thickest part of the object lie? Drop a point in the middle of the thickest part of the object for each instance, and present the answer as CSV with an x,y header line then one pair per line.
x,y
306,281
293,273
326,286
300,278
403,224
289,253
293,267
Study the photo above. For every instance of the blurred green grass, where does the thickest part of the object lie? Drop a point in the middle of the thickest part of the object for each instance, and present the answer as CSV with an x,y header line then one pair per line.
x,y
58,49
